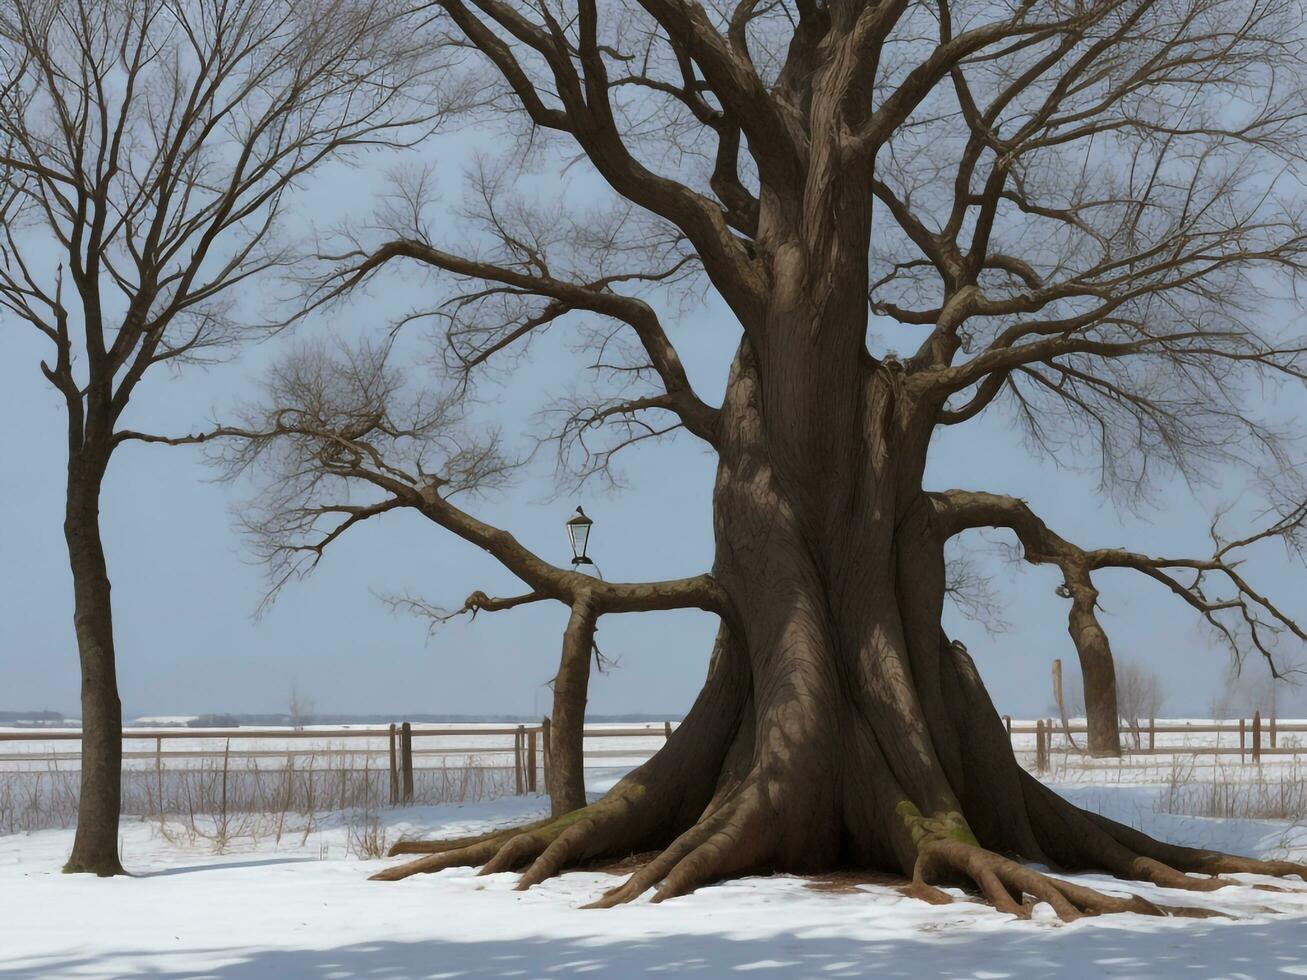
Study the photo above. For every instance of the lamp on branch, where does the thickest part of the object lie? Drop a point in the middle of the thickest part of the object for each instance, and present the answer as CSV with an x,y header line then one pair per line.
x,y
578,533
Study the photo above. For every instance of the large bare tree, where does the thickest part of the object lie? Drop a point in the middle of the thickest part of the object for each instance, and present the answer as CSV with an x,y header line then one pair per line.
x,y
915,213
148,149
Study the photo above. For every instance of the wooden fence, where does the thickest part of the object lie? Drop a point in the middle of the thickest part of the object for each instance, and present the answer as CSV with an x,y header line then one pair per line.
x,y
1256,738
529,747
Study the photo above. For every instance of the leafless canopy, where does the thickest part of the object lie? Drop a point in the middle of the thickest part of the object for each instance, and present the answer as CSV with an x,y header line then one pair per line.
x,y
147,149
1073,213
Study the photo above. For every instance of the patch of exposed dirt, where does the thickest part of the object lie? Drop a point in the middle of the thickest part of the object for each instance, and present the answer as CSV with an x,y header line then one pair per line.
x,y
844,882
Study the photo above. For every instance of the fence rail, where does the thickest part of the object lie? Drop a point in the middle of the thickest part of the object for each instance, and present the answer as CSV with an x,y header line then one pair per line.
x,y
1256,738
529,745
130,734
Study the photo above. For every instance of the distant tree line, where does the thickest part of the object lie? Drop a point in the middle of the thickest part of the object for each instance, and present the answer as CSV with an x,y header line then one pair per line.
x,y
44,717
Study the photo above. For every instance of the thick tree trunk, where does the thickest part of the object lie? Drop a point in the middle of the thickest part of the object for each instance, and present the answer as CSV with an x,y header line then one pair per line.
x,y
95,846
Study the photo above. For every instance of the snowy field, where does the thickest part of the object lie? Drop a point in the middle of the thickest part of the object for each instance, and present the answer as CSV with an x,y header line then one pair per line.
x,y
303,908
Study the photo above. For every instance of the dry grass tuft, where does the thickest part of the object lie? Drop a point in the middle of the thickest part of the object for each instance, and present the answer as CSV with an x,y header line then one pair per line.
x,y
1242,792
215,799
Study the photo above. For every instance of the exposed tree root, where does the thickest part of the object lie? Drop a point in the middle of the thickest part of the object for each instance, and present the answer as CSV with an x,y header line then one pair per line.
x,y
735,837
645,811
1195,860
1133,855
468,854
548,846
455,843
739,831
494,850
1015,888
719,846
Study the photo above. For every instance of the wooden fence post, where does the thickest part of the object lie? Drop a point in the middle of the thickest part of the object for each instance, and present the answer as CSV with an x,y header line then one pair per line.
x,y
394,769
1274,744
1007,723
531,761
158,770
1242,737
226,767
518,775
667,729
1041,751
1152,733
406,754
1257,738
548,760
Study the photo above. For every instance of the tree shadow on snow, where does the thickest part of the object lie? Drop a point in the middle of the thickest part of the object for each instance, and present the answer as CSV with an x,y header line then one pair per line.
x,y
1200,951
221,866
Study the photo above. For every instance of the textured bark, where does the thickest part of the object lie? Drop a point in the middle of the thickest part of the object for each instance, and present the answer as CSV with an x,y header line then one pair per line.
x,y
95,846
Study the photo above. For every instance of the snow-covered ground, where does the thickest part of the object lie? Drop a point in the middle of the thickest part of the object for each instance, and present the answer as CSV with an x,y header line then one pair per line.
x,y
305,909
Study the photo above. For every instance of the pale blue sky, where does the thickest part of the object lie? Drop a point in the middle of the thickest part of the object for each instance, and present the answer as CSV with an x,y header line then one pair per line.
x,y
184,588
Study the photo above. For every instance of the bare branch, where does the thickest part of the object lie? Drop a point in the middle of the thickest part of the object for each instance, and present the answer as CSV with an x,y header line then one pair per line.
x,y
1242,616
336,424
596,297
475,603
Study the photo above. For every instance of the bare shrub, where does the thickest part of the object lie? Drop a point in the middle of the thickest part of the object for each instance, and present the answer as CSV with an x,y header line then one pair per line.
x,y
1272,793
216,799
36,800
1139,693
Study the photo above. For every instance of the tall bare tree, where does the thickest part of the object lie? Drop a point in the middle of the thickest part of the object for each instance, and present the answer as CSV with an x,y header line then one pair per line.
x,y
915,213
147,153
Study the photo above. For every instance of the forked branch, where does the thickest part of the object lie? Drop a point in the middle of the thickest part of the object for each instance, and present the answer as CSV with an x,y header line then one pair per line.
x,y
1240,614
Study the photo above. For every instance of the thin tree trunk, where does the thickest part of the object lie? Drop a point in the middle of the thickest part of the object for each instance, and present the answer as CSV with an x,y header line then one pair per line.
x,y
95,847
567,733
1096,666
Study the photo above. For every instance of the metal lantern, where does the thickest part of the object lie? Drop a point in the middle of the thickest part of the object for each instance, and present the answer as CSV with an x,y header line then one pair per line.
x,y
578,533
